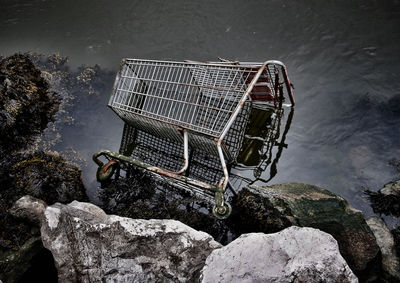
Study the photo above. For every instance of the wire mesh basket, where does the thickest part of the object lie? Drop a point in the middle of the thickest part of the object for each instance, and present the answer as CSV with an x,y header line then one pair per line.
x,y
201,106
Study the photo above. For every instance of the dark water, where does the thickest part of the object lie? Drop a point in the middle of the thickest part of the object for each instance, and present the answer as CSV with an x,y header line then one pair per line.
x,y
342,56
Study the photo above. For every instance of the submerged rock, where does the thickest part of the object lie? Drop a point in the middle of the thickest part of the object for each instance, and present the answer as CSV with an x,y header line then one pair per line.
x,y
385,240
293,255
309,206
91,246
83,92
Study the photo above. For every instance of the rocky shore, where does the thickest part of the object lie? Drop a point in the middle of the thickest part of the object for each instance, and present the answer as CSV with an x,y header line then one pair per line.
x,y
91,246
290,232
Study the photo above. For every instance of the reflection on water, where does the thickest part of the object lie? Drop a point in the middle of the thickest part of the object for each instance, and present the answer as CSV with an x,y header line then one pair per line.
x,y
262,137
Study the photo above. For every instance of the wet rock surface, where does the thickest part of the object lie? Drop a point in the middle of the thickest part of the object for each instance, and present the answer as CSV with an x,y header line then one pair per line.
x,y
90,246
396,238
292,255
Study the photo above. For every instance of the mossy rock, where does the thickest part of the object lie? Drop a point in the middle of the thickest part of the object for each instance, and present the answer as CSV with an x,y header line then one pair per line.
x,y
310,206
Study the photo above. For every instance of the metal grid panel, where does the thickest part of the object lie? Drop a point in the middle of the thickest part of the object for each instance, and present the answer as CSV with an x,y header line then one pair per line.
x,y
154,150
167,154
199,97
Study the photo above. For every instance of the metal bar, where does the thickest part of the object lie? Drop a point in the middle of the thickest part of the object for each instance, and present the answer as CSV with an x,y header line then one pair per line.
x,y
216,64
242,101
225,181
192,85
288,85
185,153
123,106
286,79
154,169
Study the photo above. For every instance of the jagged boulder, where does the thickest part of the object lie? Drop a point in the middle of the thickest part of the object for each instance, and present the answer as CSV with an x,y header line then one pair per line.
x,y
293,255
309,206
91,246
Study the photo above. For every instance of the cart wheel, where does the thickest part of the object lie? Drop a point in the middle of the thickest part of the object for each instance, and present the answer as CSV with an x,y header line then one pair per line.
x,y
105,172
222,212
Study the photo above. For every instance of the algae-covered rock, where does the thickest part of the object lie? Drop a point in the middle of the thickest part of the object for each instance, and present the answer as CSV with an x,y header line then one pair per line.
x,y
310,206
26,104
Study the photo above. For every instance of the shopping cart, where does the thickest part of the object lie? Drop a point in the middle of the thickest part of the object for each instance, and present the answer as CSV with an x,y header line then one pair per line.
x,y
192,103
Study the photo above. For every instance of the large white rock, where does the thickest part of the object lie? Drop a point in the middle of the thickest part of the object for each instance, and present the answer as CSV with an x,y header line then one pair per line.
x,y
90,246
292,255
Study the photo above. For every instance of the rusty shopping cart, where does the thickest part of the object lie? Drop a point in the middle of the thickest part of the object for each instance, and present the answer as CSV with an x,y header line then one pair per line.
x,y
194,104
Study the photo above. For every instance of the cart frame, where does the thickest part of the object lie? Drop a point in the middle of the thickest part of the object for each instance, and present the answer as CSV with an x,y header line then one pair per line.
x,y
179,128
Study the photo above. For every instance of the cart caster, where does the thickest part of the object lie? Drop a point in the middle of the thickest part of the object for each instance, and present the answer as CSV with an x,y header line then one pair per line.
x,y
222,212
105,172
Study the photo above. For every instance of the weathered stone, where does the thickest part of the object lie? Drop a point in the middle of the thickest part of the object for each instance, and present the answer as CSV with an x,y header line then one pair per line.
x,y
29,208
90,246
384,238
310,206
292,255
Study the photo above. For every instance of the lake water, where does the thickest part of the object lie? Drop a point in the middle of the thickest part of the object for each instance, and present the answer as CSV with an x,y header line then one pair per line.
x,y
343,58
